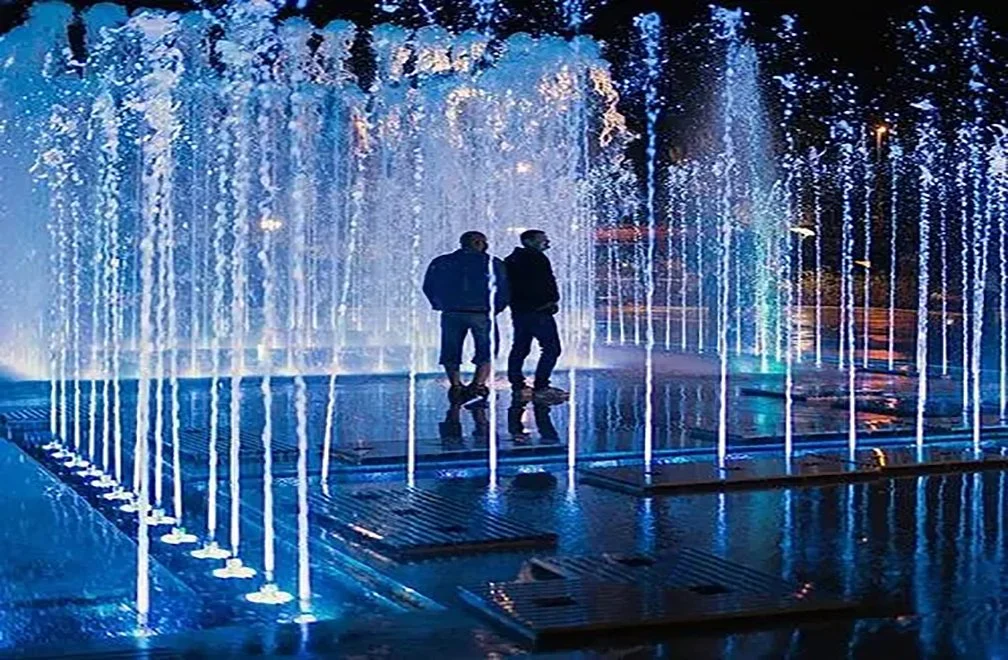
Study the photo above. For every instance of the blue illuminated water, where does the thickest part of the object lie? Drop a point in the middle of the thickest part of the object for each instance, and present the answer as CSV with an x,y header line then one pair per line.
x,y
219,302
649,26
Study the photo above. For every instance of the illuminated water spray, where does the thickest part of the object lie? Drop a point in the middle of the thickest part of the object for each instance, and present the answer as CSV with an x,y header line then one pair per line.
x,y
994,213
814,158
160,346
97,336
997,204
303,122
868,179
109,159
943,206
986,170
791,233
178,535
241,189
165,62
728,24
211,549
76,247
895,165
925,157
983,216
52,165
337,310
678,204
701,233
847,139
417,214
962,192
268,593
649,27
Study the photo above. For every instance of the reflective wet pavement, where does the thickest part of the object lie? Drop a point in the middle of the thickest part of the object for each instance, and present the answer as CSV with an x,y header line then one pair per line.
x,y
928,551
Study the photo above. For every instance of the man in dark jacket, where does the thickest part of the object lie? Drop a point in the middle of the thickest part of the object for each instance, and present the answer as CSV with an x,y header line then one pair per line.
x,y
534,301
464,288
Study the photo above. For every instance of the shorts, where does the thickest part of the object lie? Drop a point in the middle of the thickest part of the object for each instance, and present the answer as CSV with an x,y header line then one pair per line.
x,y
454,328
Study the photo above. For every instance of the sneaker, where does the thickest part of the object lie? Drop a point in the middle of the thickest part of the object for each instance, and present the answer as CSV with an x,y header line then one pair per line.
x,y
456,394
521,392
477,404
450,431
514,420
550,394
475,393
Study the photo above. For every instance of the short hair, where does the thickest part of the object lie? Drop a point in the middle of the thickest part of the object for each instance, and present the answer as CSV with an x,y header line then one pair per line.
x,y
467,239
529,234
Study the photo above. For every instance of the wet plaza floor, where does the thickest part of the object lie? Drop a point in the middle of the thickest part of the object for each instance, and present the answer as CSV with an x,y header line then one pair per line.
x,y
922,555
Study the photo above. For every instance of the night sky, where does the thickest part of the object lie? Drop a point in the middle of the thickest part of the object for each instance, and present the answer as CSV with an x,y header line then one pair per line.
x,y
842,36
854,33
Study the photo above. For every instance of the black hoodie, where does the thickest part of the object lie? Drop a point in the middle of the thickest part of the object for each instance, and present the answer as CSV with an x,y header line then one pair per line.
x,y
533,286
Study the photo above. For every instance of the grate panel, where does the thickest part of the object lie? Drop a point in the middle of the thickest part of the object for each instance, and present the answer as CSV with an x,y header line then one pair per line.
x,y
410,523
617,595
737,473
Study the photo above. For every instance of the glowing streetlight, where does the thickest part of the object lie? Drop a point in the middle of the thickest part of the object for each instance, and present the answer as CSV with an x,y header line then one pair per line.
x,y
864,263
880,132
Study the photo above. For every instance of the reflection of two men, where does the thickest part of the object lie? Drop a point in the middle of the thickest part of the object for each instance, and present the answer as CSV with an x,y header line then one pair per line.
x,y
470,288
541,415
451,432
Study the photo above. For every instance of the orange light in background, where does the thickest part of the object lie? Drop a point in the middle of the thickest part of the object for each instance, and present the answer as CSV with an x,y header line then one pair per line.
x,y
880,132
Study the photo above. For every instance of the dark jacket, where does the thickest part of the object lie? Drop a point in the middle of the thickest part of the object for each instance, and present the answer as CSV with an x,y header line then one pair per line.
x,y
533,286
460,282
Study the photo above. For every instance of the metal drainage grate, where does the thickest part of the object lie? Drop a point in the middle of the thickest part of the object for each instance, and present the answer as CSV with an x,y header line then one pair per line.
x,y
410,523
26,418
737,474
573,599
431,451
194,445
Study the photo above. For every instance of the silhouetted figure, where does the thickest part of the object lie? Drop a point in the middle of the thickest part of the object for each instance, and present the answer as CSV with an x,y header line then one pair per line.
x,y
450,430
481,425
541,412
535,300
460,286
516,428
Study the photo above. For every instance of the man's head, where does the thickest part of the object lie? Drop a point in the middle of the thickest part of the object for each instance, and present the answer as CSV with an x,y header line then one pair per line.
x,y
474,241
535,239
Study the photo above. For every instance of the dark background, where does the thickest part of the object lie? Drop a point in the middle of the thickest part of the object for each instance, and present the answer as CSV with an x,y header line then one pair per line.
x,y
837,37
855,34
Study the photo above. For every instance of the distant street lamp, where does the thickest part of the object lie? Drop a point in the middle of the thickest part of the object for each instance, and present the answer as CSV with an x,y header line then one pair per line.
x,y
880,132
